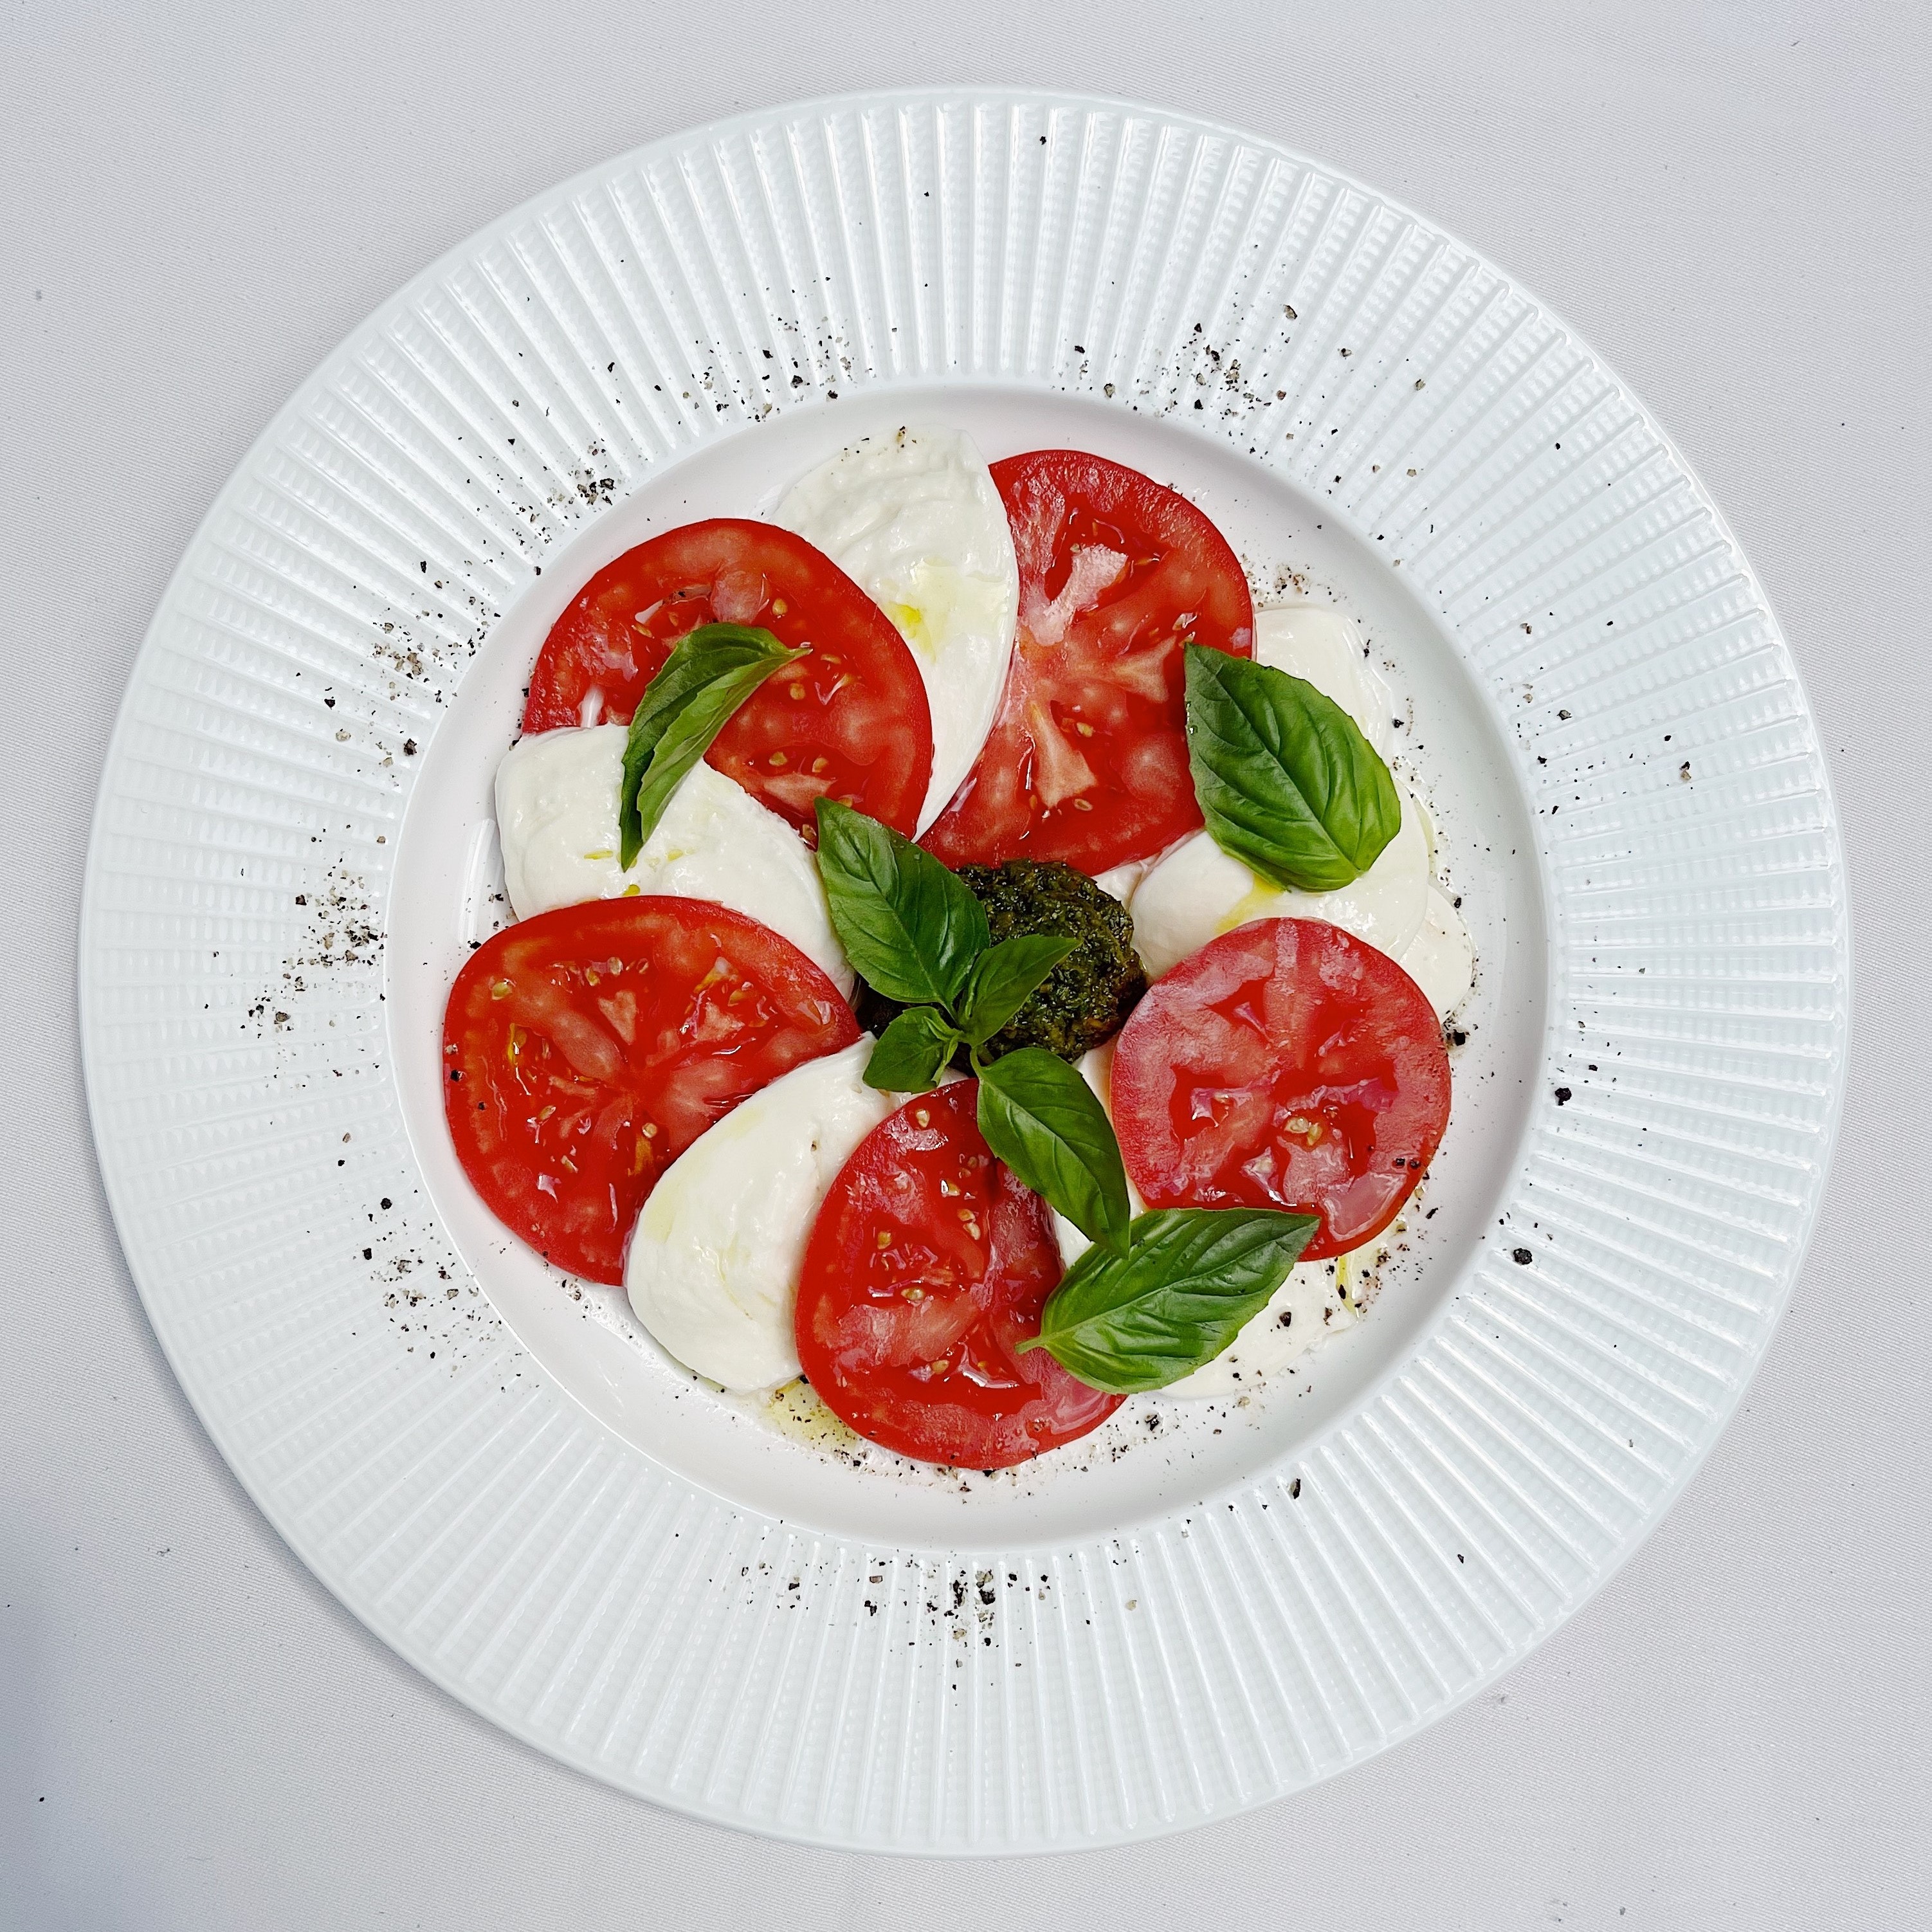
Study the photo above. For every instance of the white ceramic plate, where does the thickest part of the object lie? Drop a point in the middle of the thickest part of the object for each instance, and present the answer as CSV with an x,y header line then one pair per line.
x,y
1196,1611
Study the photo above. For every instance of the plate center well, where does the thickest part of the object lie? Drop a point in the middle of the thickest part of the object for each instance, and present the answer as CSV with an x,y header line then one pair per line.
x,y
1155,1456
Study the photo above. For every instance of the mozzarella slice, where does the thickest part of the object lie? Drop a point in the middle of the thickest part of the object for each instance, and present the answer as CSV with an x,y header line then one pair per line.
x,y
1120,880
713,1263
557,819
914,519
1440,959
1319,644
1198,892
1307,1308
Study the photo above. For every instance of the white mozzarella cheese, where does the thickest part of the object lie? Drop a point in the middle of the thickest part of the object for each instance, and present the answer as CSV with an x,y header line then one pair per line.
x,y
713,1263
1120,880
1440,959
914,519
1198,892
1317,643
556,820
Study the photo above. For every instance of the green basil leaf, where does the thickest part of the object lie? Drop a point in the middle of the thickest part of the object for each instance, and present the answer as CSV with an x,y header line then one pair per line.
x,y
712,671
1048,1125
910,928
1003,978
910,1052
1287,783
1191,1278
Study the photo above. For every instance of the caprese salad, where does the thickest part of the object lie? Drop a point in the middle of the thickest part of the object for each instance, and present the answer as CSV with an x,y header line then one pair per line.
x,y
964,953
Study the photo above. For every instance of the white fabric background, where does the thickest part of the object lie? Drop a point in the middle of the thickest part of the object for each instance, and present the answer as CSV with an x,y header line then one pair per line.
x,y
1730,201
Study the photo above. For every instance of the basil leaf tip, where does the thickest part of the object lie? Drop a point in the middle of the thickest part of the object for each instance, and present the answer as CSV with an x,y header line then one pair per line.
x,y
1192,1278
711,671
1286,782
1004,977
1047,1124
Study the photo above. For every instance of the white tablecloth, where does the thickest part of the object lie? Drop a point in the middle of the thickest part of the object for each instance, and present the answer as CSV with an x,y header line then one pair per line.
x,y
1728,198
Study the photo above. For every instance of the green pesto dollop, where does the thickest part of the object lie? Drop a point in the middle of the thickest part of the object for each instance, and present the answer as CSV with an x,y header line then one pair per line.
x,y
1086,999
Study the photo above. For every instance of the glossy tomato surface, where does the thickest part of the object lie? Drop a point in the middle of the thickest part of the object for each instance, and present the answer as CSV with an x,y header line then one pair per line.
x,y
1286,1064
928,1261
1086,761
849,722
585,1049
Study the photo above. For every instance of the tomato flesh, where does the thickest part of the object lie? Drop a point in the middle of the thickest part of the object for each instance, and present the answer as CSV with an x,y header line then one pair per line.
x,y
586,1049
1285,1064
1086,761
850,721
928,1261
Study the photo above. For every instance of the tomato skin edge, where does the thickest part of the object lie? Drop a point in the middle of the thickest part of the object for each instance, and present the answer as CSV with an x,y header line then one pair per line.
x,y
965,1425
1403,1068
655,1105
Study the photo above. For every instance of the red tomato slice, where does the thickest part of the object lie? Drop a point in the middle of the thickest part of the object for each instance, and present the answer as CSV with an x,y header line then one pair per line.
x,y
1286,1064
928,1262
850,721
1086,761
586,1049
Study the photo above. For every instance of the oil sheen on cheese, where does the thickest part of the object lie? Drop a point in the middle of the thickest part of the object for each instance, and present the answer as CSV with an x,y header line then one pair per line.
x,y
713,1264
912,517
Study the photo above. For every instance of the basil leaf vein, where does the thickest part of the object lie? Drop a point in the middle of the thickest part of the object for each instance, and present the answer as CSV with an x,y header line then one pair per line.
x,y
910,928
910,1052
1286,781
712,671
1004,977
1191,1279
1048,1125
